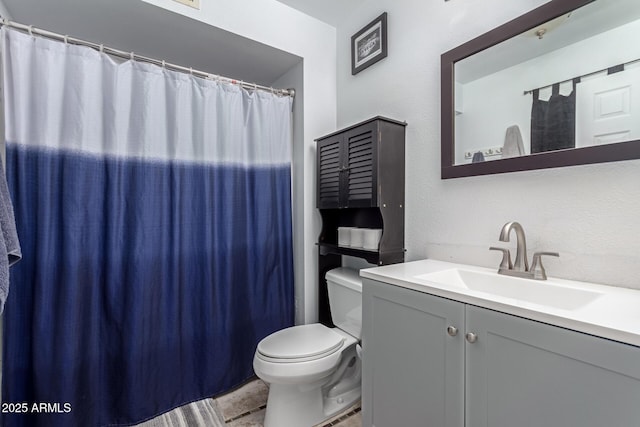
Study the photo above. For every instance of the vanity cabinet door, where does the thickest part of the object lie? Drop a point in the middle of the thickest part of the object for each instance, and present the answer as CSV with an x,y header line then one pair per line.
x,y
529,374
413,369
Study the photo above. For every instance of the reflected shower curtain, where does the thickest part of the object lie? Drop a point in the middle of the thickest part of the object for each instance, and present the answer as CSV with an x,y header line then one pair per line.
x,y
154,211
553,122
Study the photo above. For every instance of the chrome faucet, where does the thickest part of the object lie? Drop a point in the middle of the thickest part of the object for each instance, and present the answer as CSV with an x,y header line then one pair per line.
x,y
520,267
521,263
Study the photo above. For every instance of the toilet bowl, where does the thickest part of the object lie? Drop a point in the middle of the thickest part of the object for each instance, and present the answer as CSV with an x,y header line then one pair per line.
x,y
314,371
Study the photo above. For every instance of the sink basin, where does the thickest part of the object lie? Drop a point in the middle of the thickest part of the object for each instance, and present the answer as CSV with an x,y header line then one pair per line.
x,y
543,292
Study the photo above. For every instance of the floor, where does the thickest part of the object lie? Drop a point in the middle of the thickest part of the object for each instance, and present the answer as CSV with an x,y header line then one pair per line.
x,y
243,407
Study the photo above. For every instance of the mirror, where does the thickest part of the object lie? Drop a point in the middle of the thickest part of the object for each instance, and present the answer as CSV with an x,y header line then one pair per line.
x,y
558,86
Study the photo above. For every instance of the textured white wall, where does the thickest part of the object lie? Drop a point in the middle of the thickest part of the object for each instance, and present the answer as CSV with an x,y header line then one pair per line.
x,y
277,25
590,214
293,79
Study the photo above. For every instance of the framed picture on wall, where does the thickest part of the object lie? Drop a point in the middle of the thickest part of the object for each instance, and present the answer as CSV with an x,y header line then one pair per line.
x,y
369,45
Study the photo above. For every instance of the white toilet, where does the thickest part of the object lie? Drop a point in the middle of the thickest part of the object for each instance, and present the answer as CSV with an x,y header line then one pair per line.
x,y
314,371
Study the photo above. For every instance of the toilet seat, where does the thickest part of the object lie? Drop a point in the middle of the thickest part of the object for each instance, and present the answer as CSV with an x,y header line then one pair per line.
x,y
300,344
318,363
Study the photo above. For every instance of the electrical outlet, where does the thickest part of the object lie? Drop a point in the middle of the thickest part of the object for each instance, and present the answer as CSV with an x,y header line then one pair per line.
x,y
486,152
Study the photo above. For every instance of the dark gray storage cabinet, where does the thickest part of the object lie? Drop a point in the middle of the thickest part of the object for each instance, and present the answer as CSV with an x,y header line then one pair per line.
x,y
347,177
360,183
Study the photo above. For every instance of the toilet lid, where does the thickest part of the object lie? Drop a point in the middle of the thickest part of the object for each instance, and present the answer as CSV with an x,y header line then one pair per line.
x,y
304,341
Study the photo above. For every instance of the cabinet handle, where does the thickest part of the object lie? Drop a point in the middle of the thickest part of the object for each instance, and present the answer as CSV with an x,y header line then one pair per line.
x,y
471,337
452,331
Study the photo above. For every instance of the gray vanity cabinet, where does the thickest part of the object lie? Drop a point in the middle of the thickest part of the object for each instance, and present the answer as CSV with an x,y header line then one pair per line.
x,y
516,372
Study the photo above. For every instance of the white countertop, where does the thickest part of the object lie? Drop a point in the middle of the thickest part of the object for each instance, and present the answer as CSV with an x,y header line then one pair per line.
x,y
614,315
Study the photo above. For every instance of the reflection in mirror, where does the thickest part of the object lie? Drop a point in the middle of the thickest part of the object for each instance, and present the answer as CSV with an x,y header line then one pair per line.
x,y
567,83
571,82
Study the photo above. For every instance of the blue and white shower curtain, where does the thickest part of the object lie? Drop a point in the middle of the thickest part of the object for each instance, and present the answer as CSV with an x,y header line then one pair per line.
x,y
154,212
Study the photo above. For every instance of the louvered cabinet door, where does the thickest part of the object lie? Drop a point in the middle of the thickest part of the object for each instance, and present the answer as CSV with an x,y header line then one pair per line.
x,y
361,160
330,172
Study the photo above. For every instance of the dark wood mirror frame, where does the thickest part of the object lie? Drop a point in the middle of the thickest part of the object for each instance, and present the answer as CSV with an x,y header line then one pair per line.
x,y
577,156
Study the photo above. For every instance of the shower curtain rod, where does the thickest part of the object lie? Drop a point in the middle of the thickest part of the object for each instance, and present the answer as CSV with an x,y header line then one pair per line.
x,y
615,69
134,56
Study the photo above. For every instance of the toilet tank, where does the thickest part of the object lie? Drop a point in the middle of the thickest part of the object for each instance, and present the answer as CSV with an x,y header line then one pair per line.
x,y
345,299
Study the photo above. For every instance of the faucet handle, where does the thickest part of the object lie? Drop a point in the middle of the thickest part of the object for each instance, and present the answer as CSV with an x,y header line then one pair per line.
x,y
505,264
537,269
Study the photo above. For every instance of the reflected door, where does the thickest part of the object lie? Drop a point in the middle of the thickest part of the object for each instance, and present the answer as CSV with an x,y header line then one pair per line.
x,y
608,108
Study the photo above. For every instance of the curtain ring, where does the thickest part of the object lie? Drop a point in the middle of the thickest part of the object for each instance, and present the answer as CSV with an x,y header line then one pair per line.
x,y
191,71
164,64
66,39
101,48
31,30
132,56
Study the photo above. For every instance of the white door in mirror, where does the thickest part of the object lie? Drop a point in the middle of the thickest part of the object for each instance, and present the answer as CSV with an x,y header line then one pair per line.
x,y
608,108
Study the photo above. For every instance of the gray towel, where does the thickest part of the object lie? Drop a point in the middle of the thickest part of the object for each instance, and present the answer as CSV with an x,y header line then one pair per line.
x,y
10,251
513,146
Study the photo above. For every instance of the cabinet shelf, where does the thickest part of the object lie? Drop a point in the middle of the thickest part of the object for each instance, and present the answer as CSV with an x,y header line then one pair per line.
x,y
372,257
